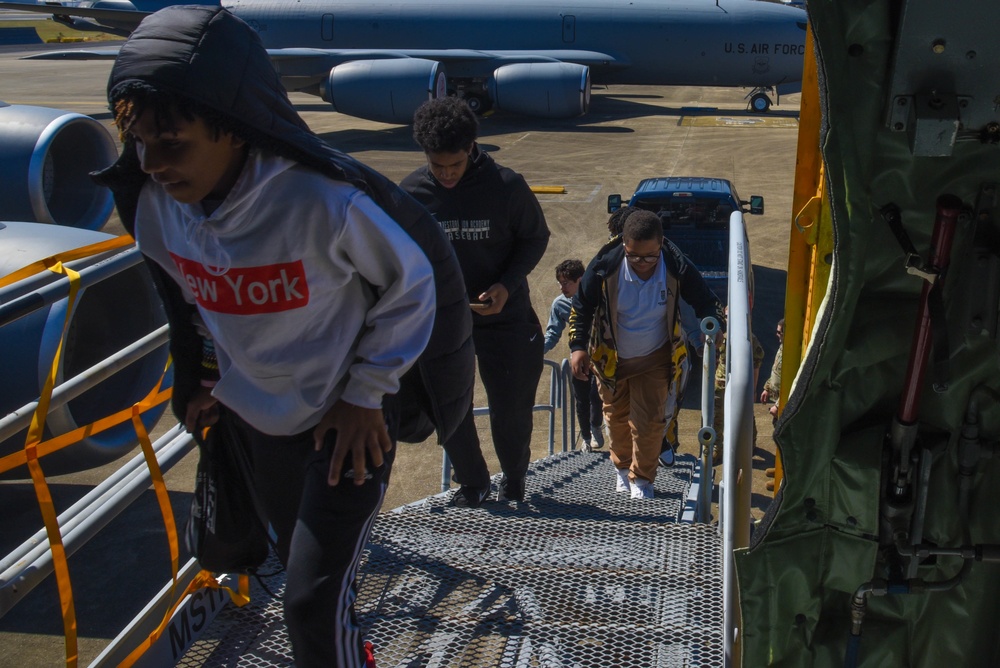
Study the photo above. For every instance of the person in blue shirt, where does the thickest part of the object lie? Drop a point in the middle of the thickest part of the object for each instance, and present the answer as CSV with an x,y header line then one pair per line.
x,y
588,402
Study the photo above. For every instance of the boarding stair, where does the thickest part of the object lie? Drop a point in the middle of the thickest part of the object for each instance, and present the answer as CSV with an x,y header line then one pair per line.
x,y
577,575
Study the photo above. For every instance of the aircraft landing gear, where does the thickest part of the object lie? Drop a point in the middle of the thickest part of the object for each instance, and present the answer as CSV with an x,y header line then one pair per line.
x,y
478,104
759,102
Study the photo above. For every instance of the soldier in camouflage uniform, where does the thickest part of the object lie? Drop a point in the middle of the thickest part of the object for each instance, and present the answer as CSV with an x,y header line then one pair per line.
x,y
772,388
720,393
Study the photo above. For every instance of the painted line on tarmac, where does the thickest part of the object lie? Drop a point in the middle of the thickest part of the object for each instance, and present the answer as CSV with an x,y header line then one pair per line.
x,y
740,121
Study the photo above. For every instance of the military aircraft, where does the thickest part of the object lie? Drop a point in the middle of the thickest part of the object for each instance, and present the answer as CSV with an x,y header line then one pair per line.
x,y
380,59
878,549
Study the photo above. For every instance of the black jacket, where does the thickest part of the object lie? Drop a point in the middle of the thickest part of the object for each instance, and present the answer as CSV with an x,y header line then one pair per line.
x,y
186,50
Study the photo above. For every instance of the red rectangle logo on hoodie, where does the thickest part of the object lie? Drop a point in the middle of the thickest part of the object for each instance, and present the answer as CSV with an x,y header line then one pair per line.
x,y
270,288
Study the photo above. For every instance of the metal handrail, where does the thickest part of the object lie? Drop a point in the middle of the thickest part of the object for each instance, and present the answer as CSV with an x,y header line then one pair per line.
x,y
707,435
557,398
737,464
80,383
568,407
38,296
29,564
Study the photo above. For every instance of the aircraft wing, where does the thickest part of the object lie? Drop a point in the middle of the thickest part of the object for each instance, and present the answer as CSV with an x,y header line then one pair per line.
x,y
121,21
302,69
325,58
76,54
315,64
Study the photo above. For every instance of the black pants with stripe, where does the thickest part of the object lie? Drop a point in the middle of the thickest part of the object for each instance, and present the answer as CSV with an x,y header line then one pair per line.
x,y
321,532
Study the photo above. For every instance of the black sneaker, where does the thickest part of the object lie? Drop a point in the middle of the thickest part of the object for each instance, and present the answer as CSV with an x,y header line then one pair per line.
x,y
667,457
469,497
511,490
667,451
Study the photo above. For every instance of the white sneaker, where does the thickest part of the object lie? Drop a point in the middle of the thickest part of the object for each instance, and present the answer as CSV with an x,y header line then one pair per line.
x,y
621,481
586,446
598,437
642,489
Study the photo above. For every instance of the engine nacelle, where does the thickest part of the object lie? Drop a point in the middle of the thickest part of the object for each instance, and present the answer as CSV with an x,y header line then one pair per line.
x,y
543,90
388,90
108,316
46,156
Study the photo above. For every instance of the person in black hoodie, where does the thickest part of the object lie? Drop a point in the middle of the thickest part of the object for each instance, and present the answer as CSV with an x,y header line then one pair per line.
x,y
498,231
300,286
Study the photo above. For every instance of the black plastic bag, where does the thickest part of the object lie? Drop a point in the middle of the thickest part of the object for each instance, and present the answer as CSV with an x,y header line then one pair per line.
x,y
224,530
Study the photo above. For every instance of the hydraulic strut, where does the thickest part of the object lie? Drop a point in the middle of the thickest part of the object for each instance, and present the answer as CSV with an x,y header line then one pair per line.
x,y
903,433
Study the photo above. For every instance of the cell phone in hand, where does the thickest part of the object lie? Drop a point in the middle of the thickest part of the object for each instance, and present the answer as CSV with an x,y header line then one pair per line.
x,y
480,306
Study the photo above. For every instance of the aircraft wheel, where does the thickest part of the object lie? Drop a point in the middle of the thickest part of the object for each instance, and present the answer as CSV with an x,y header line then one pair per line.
x,y
760,103
477,104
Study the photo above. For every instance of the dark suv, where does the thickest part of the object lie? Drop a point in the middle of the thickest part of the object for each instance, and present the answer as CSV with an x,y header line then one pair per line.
x,y
695,214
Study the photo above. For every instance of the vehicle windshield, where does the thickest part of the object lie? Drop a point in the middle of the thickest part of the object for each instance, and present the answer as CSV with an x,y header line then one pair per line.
x,y
689,210
697,225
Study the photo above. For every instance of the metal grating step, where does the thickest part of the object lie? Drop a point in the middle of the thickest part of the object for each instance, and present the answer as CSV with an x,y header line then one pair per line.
x,y
578,576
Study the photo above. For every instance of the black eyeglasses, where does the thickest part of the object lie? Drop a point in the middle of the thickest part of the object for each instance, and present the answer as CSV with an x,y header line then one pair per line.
x,y
642,259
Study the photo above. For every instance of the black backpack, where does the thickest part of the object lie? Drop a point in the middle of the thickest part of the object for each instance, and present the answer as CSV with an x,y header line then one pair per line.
x,y
224,531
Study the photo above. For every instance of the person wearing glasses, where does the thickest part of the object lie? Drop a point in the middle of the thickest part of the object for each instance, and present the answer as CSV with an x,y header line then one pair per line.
x,y
629,295
688,340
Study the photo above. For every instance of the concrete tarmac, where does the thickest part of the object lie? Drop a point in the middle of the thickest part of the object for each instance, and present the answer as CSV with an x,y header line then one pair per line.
x,y
630,133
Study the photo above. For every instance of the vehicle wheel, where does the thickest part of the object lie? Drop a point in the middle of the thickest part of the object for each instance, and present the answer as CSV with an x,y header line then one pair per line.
x,y
760,103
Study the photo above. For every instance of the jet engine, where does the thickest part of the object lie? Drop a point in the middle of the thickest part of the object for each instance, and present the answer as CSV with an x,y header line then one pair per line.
x,y
107,317
543,90
388,90
45,158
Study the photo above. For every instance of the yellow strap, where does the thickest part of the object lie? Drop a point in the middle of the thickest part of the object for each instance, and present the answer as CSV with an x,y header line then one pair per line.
x,y
166,510
203,580
35,431
69,438
31,454
60,563
65,256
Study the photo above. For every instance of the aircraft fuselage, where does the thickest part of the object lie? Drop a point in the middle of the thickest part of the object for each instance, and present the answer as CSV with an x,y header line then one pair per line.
x,y
733,43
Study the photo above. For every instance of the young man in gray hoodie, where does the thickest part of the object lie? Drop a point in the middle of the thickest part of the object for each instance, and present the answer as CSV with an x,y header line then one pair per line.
x,y
303,291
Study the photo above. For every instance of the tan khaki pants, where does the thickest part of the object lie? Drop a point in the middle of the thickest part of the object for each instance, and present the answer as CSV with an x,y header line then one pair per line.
x,y
635,412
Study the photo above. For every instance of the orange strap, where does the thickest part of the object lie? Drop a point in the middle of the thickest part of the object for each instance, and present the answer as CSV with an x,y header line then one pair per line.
x,y
35,447
69,438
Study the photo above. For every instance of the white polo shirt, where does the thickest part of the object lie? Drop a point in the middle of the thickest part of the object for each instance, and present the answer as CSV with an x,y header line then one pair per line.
x,y
642,312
